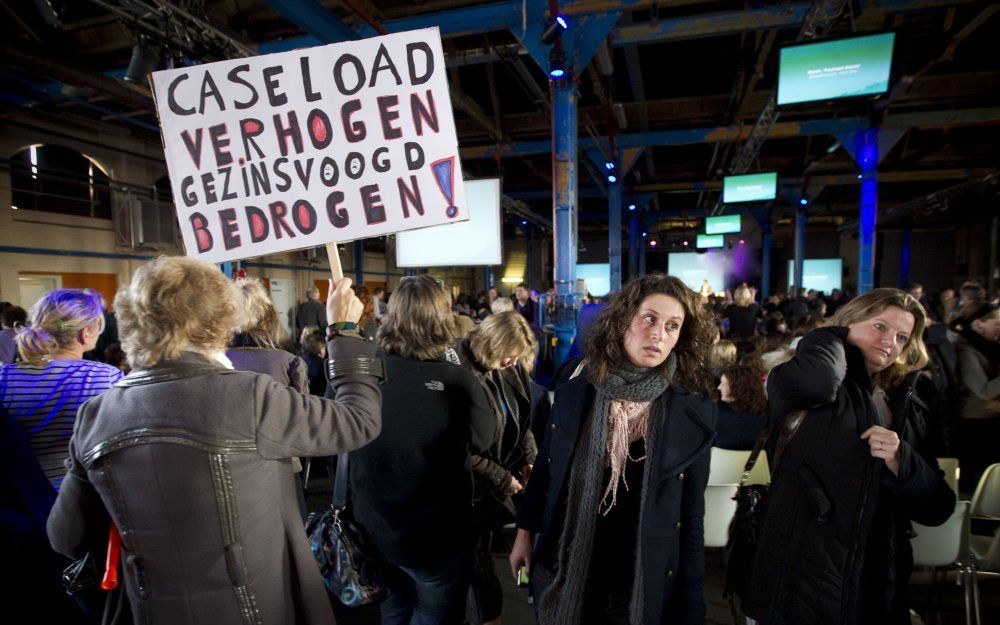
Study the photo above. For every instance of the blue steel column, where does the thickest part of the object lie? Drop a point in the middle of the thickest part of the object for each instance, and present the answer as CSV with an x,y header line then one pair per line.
x,y
564,139
615,235
633,247
904,259
529,257
866,152
359,262
800,245
487,278
765,263
642,254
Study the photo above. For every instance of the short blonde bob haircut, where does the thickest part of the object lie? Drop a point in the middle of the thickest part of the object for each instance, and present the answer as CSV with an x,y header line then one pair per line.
x,y
417,323
56,321
742,296
173,304
913,356
502,335
260,319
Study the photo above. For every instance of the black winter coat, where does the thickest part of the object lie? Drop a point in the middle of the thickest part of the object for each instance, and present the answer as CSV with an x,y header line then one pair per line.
x,y
411,486
835,548
673,537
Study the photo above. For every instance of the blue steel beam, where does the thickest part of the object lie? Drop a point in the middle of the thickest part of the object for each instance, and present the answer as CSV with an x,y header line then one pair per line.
x,y
724,134
711,24
315,19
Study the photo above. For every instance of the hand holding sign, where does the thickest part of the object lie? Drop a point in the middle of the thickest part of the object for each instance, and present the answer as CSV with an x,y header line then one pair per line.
x,y
342,304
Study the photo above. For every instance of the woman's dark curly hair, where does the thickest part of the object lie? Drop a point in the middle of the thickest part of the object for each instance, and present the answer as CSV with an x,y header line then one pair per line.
x,y
746,387
606,348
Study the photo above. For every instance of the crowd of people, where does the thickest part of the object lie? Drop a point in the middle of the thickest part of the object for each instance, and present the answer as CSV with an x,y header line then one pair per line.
x,y
192,431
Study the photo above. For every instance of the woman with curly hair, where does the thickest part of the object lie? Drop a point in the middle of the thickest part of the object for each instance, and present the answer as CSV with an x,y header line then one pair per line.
x,y
742,405
616,499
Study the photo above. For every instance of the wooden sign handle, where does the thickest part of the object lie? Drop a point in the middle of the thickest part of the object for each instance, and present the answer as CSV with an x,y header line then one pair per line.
x,y
336,271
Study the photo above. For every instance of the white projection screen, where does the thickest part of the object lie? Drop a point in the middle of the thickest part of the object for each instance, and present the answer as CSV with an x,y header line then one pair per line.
x,y
466,243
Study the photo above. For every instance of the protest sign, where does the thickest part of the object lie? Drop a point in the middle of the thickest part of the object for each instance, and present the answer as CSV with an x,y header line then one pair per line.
x,y
303,148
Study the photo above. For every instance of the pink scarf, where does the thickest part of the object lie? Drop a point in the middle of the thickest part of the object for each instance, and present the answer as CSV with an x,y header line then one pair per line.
x,y
628,421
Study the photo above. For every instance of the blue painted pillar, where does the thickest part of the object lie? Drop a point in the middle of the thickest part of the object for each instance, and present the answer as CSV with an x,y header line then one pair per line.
x,y
633,247
487,278
228,268
800,244
564,207
765,263
359,262
904,259
643,243
615,233
866,153
529,257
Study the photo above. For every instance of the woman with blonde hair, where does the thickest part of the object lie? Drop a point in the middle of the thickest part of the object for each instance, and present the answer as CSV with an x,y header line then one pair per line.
x,y
42,393
412,486
617,495
742,314
834,545
497,353
191,460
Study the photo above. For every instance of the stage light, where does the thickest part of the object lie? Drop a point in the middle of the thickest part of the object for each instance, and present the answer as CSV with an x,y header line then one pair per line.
x,y
631,207
609,165
860,176
652,244
524,222
644,234
803,201
685,243
742,242
557,62
147,57
554,30
612,178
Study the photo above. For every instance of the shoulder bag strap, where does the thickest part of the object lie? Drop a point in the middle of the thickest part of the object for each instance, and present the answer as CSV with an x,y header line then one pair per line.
x,y
789,425
340,483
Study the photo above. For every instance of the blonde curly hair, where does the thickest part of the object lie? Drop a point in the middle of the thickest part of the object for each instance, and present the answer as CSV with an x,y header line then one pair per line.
x,y
173,304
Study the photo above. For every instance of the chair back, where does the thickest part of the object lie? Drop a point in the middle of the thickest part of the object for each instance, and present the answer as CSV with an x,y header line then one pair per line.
x,y
727,467
986,499
941,545
720,508
950,468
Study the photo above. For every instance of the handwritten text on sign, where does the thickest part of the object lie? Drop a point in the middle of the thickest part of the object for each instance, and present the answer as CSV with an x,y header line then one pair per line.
x,y
302,148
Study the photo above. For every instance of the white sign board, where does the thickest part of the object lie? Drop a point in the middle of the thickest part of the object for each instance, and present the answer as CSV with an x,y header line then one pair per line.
x,y
298,149
477,241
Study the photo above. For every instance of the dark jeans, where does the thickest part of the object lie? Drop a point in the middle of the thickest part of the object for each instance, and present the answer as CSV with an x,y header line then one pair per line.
x,y
428,596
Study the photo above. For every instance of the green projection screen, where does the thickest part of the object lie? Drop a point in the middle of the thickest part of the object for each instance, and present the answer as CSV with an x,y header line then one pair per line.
x,y
723,224
709,240
749,188
835,69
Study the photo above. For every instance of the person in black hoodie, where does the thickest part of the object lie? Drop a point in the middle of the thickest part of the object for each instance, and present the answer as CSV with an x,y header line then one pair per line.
x,y
412,486
834,546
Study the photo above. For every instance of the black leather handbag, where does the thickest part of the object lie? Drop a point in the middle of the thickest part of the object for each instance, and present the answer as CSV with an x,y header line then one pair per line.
x,y
347,561
744,532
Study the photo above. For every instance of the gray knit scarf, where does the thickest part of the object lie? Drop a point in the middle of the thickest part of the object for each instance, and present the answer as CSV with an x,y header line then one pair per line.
x,y
561,603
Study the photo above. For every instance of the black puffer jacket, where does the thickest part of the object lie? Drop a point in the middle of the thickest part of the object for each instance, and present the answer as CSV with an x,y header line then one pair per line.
x,y
835,548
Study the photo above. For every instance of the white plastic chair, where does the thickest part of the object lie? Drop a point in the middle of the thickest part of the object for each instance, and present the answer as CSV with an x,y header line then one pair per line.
x,y
719,511
951,471
945,546
727,467
985,505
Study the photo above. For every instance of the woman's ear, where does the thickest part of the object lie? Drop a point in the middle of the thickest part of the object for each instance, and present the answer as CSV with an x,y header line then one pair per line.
x,y
88,334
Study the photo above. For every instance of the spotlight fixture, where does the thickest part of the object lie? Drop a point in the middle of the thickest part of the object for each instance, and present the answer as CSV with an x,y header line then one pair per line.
x,y
860,176
652,243
643,234
557,62
804,200
147,57
609,165
554,29
631,207
612,178
524,222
